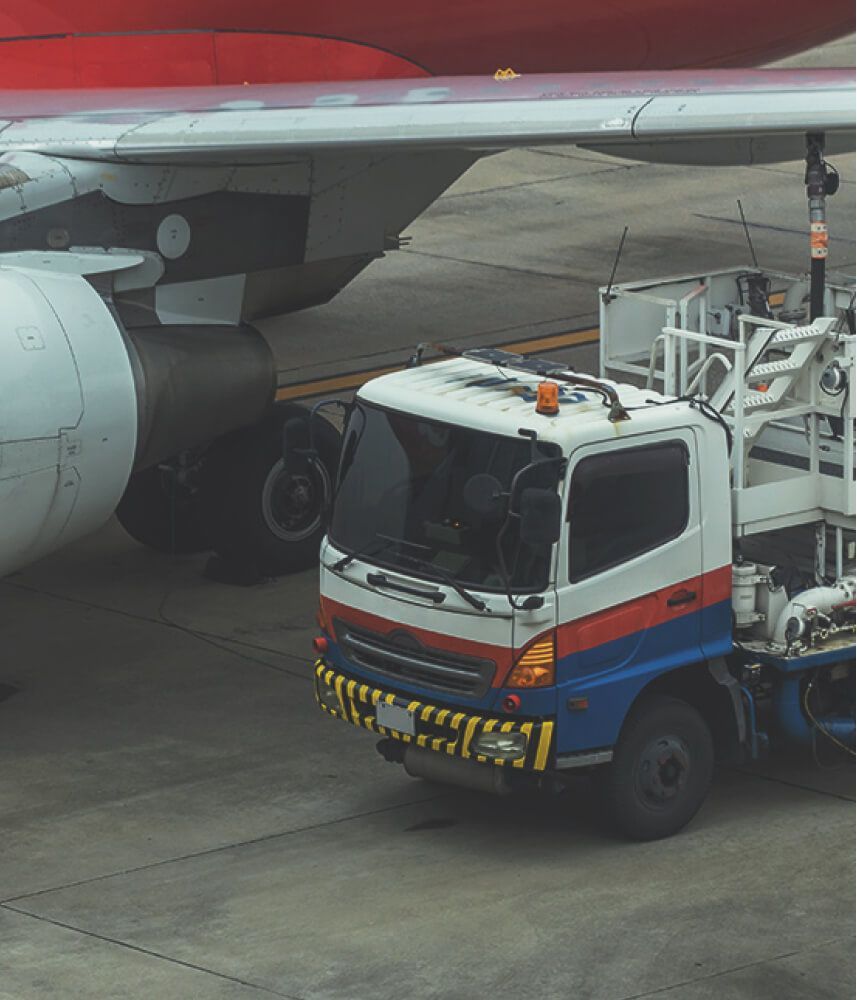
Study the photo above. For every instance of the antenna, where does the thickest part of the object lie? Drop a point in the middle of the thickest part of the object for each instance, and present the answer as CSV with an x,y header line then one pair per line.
x,y
747,234
607,297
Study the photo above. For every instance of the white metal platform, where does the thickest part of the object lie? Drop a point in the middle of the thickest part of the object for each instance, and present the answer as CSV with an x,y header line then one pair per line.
x,y
699,336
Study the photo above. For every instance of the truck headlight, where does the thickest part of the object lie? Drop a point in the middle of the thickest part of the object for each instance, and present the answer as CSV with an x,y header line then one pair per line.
x,y
506,746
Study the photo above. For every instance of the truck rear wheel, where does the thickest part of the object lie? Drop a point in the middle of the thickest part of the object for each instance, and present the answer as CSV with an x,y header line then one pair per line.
x,y
661,770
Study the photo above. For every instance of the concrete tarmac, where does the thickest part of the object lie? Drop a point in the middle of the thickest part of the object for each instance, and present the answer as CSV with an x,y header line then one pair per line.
x,y
177,818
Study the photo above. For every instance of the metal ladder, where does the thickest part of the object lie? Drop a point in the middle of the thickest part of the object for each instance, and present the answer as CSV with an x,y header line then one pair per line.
x,y
757,406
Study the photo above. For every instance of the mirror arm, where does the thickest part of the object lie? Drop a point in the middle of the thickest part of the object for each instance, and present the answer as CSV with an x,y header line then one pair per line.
x,y
501,562
529,468
528,603
345,407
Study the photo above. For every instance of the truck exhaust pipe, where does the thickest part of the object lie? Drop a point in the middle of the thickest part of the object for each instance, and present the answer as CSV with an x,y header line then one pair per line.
x,y
446,770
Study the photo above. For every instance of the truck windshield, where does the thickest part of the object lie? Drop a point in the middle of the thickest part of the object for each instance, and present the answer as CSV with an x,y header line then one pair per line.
x,y
400,499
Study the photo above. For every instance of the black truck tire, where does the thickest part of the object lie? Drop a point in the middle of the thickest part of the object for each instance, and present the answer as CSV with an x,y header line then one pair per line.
x,y
661,770
266,520
160,511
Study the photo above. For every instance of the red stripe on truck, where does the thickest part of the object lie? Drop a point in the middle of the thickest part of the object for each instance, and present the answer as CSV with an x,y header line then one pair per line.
x,y
643,612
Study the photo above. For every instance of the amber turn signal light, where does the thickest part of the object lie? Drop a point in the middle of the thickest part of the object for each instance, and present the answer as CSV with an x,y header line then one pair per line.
x,y
547,399
319,644
536,667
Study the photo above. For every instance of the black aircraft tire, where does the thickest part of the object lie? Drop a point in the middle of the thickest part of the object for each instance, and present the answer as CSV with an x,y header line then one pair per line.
x,y
160,513
264,520
661,771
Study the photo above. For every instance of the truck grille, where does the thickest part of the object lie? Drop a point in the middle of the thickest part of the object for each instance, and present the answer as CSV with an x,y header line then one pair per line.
x,y
403,656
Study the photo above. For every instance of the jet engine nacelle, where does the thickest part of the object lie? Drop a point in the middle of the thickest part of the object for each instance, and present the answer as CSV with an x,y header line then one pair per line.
x,y
68,412
85,402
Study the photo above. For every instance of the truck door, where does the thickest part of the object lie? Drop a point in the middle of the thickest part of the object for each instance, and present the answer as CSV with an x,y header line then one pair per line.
x,y
630,579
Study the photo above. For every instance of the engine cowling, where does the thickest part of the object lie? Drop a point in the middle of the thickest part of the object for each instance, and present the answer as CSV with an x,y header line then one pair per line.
x,y
85,402
68,412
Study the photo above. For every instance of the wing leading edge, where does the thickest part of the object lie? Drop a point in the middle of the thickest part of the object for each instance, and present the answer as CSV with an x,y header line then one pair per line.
x,y
725,116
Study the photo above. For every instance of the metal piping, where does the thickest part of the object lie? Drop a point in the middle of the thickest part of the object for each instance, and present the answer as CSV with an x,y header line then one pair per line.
x,y
819,182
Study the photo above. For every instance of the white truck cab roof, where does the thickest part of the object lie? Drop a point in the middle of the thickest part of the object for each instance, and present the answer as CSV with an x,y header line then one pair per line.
x,y
499,401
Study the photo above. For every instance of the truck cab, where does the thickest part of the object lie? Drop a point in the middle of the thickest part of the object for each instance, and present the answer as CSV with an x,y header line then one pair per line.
x,y
530,573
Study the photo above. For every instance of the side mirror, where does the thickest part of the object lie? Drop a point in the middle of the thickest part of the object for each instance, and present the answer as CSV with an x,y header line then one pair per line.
x,y
483,494
541,517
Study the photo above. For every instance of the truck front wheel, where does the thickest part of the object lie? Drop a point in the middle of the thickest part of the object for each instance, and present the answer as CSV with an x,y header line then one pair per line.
x,y
661,770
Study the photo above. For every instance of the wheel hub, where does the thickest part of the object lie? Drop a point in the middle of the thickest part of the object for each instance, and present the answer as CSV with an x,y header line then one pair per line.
x,y
291,502
663,770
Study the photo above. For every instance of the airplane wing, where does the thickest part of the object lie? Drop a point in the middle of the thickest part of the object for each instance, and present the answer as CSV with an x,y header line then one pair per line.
x,y
144,233
697,116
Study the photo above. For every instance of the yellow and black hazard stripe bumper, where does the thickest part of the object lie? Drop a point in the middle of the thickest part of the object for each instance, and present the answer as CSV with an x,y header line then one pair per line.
x,y
443,730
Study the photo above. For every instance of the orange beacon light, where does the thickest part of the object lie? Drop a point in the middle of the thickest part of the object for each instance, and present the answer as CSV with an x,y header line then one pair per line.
x,y
547,399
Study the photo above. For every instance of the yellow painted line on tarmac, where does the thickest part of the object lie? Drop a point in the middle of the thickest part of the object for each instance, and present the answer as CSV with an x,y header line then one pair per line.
x,y
353,380
571,338
322,386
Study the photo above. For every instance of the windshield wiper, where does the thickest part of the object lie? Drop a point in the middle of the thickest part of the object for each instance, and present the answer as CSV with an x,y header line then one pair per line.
x,y
371,548
387,541
441,574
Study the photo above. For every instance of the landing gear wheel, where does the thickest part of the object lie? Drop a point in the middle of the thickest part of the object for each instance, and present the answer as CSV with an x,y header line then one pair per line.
x,y
661,770
162,507
268,518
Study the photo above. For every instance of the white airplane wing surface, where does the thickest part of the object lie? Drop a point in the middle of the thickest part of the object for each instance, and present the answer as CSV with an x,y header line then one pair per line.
x,y
697,116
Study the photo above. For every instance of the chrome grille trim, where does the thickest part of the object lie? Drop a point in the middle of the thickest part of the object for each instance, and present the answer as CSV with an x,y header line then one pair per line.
x,y
437,669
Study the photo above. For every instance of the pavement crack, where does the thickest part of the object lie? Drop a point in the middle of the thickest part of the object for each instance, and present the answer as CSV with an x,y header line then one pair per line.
x,y
789,784
209,851
390,357
549,275
790,173
149,952
601,169
220,641
769,227
661,990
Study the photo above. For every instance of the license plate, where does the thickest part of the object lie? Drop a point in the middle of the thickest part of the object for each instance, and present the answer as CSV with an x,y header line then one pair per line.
x,y
395,717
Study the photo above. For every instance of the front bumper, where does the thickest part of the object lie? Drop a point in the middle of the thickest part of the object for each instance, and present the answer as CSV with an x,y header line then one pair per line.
x,y
443,730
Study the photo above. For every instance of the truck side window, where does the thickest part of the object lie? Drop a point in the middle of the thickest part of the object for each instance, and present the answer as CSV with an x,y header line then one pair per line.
x,y
624,503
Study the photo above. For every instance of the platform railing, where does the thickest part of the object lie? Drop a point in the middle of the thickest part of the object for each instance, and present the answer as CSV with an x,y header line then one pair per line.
x,y
764,503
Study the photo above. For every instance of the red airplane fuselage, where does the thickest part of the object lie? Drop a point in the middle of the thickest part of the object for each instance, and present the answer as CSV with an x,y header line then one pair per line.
x,y
93,44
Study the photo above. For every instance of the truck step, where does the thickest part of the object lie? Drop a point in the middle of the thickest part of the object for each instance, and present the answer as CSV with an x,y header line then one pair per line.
x,y
782,367
757,400
798,335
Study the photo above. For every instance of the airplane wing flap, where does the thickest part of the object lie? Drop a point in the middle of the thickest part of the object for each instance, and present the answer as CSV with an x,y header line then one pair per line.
x,y
472,125
267,124
753,113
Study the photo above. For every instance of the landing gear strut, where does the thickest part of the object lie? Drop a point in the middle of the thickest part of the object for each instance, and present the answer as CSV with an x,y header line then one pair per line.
x,y
163,507
269,514
261,515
